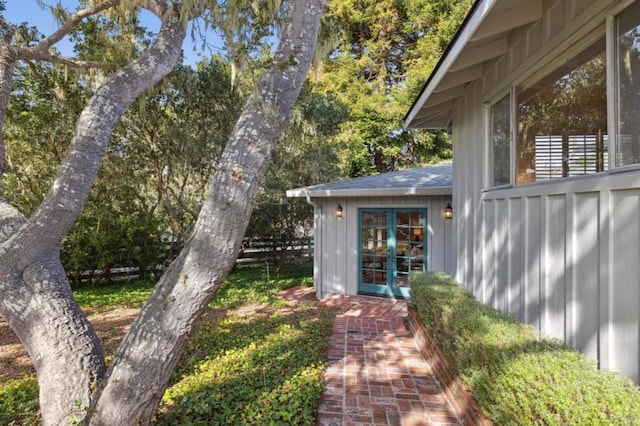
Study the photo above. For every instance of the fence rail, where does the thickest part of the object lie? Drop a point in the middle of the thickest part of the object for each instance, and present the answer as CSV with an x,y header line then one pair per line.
x,y
253,252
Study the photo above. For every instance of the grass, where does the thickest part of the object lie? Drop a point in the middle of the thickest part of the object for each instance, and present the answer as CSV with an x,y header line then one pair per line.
x,y
262,368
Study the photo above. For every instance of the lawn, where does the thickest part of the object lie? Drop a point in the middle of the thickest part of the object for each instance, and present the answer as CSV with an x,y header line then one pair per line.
x,y
252,360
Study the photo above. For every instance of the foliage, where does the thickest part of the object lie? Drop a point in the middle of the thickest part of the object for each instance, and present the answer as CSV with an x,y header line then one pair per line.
x,y
516,375
256,369
258,284
114,295
386,50
19,402
150,188
306,155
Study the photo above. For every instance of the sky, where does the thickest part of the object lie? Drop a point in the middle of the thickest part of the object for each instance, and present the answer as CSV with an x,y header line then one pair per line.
x,y
18,11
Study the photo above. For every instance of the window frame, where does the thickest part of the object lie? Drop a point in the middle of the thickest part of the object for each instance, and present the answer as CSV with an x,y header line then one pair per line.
x,y
613,113
489,118
572,46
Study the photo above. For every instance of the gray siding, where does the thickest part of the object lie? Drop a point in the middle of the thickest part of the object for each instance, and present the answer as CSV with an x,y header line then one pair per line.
x,y
336,240
563,256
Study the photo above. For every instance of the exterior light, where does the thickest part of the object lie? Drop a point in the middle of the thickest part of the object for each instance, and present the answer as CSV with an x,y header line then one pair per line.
x,y
448,211
339,211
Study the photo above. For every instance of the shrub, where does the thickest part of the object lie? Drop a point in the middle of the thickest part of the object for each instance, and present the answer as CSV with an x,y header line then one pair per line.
x,y
517,375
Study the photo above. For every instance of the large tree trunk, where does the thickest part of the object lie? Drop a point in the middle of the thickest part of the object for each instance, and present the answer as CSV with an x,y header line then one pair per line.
x,y
36,296
142,366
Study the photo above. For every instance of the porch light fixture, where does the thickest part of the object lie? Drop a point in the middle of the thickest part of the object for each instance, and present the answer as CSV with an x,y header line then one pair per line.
x,y
448,211
339,211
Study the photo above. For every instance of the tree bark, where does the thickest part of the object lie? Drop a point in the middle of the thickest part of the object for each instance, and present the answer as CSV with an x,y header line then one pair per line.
x,y
37,301
142,366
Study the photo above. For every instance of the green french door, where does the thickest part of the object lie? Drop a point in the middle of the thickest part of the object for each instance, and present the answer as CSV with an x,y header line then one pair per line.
x,y
392,245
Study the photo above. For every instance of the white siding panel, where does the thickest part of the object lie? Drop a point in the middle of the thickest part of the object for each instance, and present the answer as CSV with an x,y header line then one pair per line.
x,y
515,294
351,256
584,305
501,265
554,290
488,295
556,18
533,260
624,287
575,251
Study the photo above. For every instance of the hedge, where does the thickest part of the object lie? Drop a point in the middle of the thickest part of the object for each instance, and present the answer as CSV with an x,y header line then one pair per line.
x,y
516,374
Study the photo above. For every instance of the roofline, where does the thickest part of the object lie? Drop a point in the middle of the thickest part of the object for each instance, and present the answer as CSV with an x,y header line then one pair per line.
x,y
373,192
468,27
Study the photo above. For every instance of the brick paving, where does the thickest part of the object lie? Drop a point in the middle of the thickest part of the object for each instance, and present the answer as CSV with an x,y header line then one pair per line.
x,y
376,373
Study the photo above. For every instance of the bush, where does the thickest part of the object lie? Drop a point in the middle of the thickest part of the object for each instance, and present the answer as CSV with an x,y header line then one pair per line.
x,y
516,375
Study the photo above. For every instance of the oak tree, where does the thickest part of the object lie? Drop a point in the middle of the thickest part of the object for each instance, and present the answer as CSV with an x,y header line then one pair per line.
x,y
74,380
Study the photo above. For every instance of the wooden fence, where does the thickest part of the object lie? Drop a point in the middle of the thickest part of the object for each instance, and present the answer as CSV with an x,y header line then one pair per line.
x,y
253,252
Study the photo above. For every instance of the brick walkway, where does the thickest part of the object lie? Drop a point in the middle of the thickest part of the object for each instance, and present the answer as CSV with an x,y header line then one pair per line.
x,y
376,374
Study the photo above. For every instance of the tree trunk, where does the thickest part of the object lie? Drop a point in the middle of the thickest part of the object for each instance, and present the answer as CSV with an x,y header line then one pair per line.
x,y
37,301
142,366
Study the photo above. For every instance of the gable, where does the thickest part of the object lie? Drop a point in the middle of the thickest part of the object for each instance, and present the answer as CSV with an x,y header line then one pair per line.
x,y
499,42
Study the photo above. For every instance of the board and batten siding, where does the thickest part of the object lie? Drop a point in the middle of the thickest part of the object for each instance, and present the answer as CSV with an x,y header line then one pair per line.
x,y
564,255
336,239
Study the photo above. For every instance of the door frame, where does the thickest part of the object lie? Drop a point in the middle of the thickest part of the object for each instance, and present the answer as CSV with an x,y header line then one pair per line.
x,y
391,289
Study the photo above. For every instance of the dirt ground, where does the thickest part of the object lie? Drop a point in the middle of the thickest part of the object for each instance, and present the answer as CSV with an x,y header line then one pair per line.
x,y
110,327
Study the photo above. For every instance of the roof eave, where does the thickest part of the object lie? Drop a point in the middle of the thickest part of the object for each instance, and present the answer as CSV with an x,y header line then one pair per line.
x,y
471,23
376,192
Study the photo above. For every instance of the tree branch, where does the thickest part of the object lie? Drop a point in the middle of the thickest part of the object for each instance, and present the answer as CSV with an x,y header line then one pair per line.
x,y
27,54
70,24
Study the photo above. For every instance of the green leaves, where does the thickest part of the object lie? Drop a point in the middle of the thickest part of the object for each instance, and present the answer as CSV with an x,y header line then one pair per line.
x,y
261,364
386,52
19,402
516,375
262,367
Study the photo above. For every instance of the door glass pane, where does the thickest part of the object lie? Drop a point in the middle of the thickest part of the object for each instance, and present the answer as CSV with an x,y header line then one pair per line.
x,y
374,248
409,247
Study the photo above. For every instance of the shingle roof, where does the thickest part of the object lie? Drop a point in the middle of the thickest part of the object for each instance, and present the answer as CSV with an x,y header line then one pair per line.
x,y
428,180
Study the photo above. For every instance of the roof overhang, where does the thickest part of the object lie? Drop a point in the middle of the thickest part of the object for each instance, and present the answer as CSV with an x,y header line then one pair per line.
x,y
378,192
482,37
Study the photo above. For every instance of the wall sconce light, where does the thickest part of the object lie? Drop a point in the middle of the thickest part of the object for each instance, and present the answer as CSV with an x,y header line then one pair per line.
x,y
448,211
339,211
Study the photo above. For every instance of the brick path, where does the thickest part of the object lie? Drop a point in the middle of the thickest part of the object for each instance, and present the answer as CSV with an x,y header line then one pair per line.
x,y
376,374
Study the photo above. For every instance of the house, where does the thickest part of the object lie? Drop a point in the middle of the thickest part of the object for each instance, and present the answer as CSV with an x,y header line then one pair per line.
x,y
543,102
372,232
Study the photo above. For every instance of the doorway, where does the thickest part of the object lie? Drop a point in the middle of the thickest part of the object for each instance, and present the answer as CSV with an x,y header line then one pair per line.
x,y
392,246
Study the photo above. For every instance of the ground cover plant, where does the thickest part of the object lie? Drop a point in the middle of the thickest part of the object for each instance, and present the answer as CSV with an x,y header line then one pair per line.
x,y
253,359
516,375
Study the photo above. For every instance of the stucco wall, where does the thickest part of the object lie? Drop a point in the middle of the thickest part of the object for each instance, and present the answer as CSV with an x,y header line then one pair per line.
x,y
563,256
336,240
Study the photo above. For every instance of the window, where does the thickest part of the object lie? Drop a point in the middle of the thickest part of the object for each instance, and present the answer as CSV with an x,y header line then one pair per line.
x,y
562,121
501,142
627,72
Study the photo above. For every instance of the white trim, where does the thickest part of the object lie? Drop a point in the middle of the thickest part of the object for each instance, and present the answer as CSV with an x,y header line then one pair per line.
x,y
479,14
612,92
554,50
489,175
375,192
